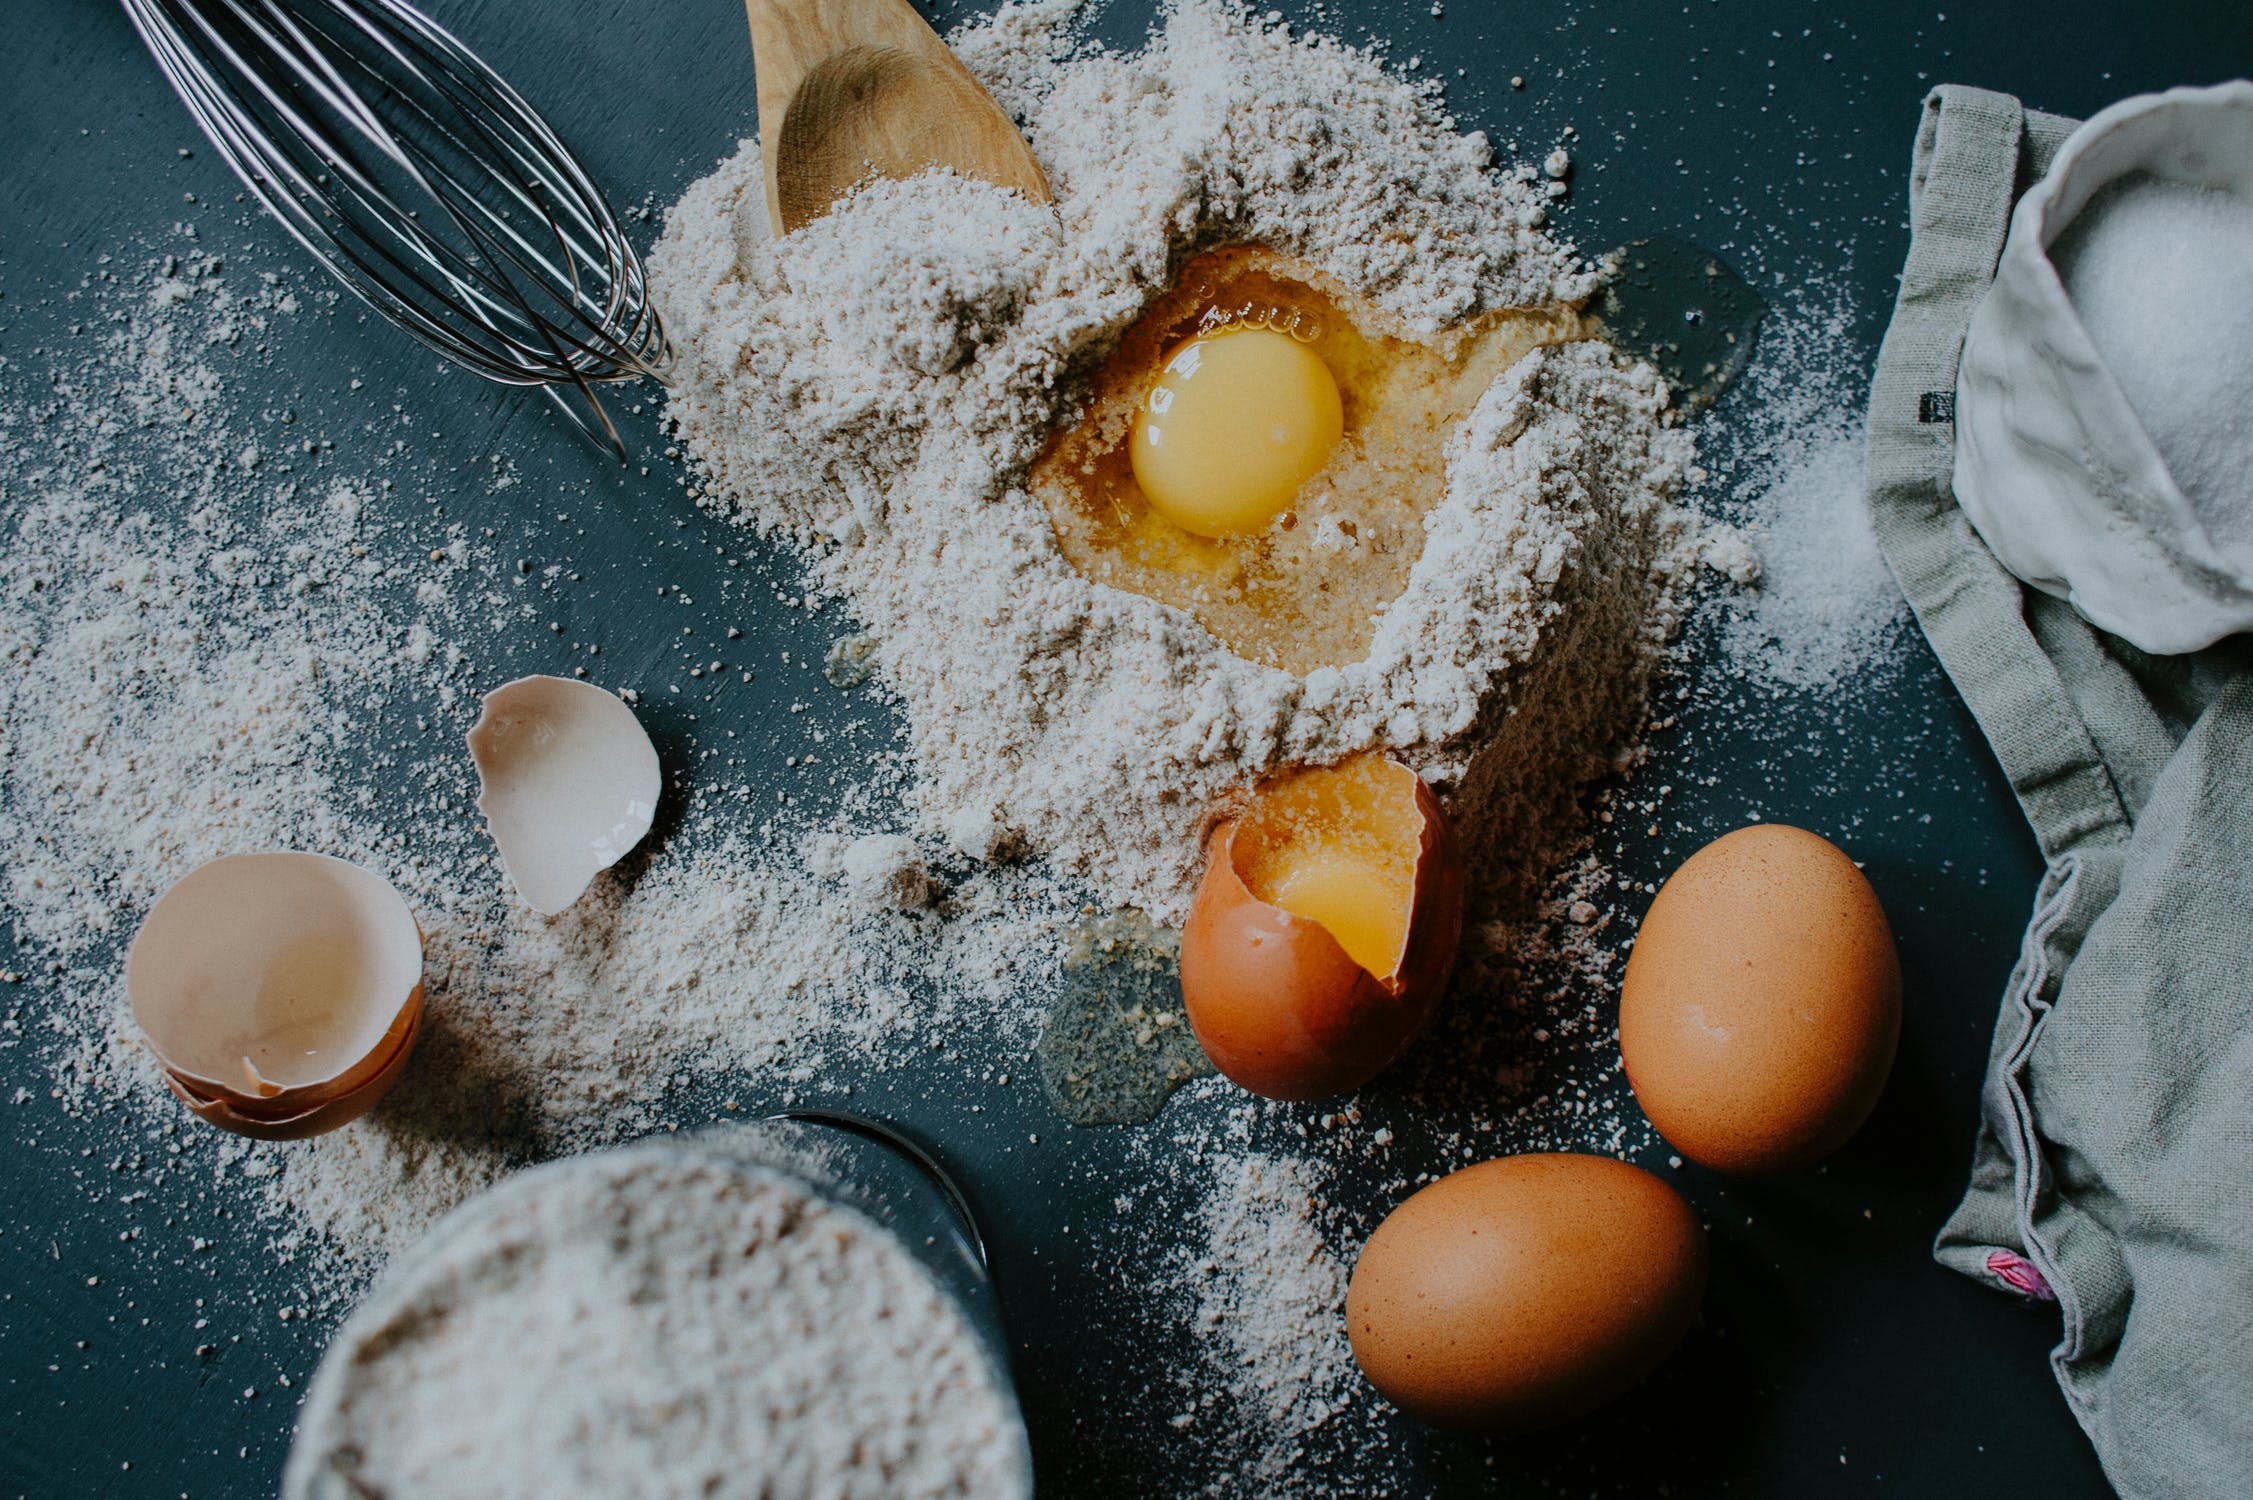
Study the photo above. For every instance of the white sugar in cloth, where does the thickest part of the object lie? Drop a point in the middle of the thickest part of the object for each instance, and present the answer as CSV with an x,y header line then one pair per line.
x,y
2161,274
2101,442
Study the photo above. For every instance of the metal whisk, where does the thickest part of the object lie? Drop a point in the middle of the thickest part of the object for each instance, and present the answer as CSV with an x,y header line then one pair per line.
x,y
423,182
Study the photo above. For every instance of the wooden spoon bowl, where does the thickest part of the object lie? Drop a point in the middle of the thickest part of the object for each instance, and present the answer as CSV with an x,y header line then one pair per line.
x,y
850,89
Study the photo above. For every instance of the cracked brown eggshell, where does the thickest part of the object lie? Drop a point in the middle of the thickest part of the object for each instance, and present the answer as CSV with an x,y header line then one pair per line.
x,y
1275,998
244,1117
281,993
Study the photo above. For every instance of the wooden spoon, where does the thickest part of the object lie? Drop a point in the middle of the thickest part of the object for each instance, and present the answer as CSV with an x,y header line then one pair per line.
x,y
848,88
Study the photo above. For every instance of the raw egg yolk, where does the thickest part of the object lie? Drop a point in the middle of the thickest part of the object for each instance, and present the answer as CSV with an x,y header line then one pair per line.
x,y
1351,900
1237,421
1337,846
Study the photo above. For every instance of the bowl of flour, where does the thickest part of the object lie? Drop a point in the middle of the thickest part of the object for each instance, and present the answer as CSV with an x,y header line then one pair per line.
x,y
708,1315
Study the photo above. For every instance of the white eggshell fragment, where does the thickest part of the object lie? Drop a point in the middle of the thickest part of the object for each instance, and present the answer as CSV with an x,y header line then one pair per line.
x,y
278,990
568,782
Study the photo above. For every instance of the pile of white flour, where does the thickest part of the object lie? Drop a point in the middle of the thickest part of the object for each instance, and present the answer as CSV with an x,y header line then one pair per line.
x,y
697,1328
874,386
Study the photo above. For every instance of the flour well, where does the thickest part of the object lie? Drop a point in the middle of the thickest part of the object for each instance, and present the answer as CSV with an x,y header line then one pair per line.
x,y
874,386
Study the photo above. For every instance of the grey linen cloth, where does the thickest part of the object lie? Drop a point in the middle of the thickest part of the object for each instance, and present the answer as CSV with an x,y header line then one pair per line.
x,y
2113,1171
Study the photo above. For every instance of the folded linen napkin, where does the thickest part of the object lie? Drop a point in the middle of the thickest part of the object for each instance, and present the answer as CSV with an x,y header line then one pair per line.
x,y
2113,1172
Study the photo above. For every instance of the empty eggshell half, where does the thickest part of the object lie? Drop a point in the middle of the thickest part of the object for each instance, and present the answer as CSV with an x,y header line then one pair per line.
x,y
247,1117
281,993
568,783
1323,933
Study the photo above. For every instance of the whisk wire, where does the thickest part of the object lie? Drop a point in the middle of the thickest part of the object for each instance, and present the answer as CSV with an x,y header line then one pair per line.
x,y
273,172
459,274
421,180
477,109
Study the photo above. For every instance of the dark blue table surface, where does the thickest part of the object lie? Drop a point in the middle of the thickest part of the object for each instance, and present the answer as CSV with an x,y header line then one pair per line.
x,y
1834,1357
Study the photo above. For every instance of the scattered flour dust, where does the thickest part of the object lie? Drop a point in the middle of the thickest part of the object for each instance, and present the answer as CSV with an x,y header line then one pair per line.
x,y
194,677
1791,476
1268,1298
209,617
668,1294
874,386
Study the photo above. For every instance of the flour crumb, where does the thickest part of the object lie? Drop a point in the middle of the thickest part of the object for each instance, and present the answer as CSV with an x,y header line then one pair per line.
x,y
880,871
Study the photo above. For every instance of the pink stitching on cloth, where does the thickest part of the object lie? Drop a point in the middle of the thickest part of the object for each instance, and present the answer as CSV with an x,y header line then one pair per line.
x,y
2018,1273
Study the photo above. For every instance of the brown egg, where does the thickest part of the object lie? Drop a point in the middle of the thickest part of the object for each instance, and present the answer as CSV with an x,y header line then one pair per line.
x,y
1762,1002
1322,937
1520,1292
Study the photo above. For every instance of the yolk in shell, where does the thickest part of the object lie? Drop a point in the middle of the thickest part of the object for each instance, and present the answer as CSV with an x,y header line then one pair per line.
x,y
1348,897
1338,845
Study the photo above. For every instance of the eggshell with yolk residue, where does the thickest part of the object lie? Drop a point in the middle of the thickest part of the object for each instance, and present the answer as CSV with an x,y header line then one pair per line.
x,y
1274,998
1761,1005
1521,1292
